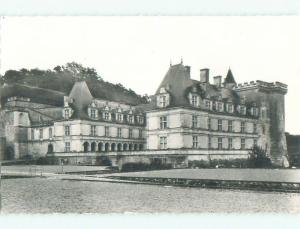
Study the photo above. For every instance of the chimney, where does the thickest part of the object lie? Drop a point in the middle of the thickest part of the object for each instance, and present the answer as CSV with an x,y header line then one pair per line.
x,y
218,81
204,75
188,69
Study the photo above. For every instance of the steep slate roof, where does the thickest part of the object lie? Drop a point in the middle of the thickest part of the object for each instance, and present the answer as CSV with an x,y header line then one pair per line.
x,y
177,80
82,97
178,83
229,77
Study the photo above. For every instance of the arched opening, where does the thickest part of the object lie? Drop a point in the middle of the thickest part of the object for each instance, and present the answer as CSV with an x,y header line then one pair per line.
x,y
106,147
113,147
119,147
130,147
9,153
100,147
141,147
86,147
135,147
93,146
50,148
125,147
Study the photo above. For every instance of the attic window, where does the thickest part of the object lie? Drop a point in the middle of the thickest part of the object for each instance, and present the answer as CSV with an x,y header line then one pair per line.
x,y
230,108
243,110
255,111
106,115
130,118
140,119
163,101
93,113
207,104
194,100
119,117
220,106
67,114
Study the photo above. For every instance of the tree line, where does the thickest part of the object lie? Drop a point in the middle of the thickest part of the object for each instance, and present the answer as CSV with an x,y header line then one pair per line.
x,y
62,78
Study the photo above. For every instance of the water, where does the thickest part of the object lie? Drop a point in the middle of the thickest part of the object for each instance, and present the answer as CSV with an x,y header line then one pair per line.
x,y
42,195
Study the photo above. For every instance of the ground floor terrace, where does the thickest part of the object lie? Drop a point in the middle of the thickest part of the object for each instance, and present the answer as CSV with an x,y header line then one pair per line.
x,y
171,158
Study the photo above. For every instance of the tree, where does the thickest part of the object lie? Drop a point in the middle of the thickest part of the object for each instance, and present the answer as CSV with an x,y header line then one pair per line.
x,y
259,158
12,76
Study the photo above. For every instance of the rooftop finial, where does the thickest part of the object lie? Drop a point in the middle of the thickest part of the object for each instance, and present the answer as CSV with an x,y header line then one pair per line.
x,y
181,61
170,62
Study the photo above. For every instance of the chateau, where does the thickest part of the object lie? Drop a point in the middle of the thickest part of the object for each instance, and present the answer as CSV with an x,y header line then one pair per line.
x,y
185,120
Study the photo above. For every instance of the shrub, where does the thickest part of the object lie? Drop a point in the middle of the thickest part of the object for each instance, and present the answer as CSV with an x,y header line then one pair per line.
x,y
259,158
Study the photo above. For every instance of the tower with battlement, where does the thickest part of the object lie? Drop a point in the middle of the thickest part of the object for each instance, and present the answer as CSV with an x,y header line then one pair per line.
x,y
270,98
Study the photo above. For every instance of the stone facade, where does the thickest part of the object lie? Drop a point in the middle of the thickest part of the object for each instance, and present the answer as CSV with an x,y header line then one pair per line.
x,y
183,115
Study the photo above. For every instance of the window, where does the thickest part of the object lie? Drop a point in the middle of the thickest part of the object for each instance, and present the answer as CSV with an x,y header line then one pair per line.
x,y
163,101
263,129
163,142
106,115
229,143
243,143
163,122
141,119
195,142
119,117
255,142
209,124
209,142
140,133
229,125
130,133
106,131
194,121
67,147
220,125
207,104
32,134
220,145
230,108
67,130
220,106
130,118
194,100
93,130
50,132
119,133
243,110
255,111
254,128
41,133
93,113
67,113
242,127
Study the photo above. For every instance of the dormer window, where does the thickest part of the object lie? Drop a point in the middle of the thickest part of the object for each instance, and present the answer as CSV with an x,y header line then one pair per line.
x,y
163,98
243,110
194,100
67,113
93,113
140,119
119,117
254,111
130,118
220,106
230,108
163,101
207,104
106,116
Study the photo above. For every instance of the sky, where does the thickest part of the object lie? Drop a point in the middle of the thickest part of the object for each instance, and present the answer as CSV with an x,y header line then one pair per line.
x,y
136,51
